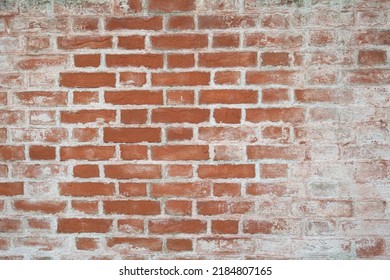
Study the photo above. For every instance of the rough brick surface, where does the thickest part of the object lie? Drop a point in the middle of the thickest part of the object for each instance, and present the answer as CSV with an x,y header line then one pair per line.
x,y
205,129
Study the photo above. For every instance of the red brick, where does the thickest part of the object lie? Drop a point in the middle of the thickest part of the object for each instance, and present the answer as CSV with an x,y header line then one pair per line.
x,y
11,117
282,134
132,207
227,78
87,189
84,42
129,6
87,116
372,57
180,115
85,134
270,171
324,95
172,5
134,97
131,226
179,41
87,152
276,21
279,40
280,77
46,206
228,59
322,77
369,77
226,40
42,152
152,244
153,61
224,227
132,189
212,207
292,115
181,60
181,152
41,98
227,115
227,134
228,96
3,98
373,37
87,60
178,97
178,207
371,18
371,170
10,189
180,190
134,23
278,226
370,247
177,226
134,152
86,244
222,245
85,97
181,22
326,58
314,228
85,24
179,245
181,79
274,95
231,153
225,21
3,172
53,135
134,42
298,58
322,38
275,59
184,171
226,189
39,171
37,62
241,207
323,208
136,79
276,152
179,134
11,80
10,225
131,135
73,225
227,171
11,153
87,80
42,117
40,242
130,171
87,207
86,171
4,244
38,43
323,114
39,224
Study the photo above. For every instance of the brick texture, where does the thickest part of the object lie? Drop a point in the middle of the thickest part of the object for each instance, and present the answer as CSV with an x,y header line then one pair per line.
x,y
194,129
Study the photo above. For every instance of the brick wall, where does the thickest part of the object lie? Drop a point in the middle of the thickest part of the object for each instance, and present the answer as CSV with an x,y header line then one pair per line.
x,y
194,129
